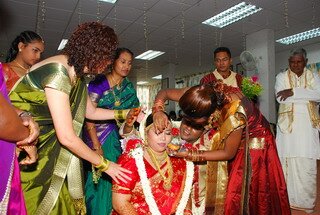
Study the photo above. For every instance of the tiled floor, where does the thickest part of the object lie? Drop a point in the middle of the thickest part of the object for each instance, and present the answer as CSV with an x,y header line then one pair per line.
x,y
317,209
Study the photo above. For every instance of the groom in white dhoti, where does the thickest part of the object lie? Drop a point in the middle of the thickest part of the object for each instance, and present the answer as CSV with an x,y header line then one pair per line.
x,y
298,91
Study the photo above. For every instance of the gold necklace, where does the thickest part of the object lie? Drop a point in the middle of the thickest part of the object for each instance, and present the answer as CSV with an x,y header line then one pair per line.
x,y
117,101
167,180
19,65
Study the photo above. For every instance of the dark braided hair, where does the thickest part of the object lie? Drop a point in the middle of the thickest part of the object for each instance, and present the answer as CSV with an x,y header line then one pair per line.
x,y
92,44
24,37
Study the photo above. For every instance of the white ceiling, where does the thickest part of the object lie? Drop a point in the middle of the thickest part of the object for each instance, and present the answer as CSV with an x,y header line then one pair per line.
x,y
173,26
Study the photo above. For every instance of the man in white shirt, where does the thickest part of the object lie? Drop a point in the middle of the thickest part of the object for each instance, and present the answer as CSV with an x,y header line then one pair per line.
x,y
298,91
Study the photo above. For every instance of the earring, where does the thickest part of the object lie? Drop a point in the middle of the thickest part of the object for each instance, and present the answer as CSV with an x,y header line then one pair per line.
x,y
20,50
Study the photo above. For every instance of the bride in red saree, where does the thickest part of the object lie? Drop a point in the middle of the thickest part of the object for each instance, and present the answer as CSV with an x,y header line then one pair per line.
x,y
160,184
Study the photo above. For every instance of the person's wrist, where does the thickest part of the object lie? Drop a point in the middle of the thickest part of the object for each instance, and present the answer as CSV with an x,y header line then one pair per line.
x,y
103,165
96,148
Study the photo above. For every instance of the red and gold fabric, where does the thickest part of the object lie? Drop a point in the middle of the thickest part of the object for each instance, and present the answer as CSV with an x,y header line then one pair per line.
x,y
167,200
10,76
256,181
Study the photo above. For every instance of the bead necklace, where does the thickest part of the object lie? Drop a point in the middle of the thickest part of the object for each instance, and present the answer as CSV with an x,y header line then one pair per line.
x,y
167,180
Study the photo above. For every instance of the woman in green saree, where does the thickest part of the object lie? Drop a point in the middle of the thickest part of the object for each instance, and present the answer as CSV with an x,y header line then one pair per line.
x,y
55,93
111,91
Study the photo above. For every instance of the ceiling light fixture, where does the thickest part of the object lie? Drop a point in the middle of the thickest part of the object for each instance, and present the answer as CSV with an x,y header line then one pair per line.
x,y
62,44
300,36
232,15
149,55
142,82
158,77
109,1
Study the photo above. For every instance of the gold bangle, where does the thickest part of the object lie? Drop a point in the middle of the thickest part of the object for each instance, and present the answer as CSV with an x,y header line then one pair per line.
x,y
120,114
104,165
26,147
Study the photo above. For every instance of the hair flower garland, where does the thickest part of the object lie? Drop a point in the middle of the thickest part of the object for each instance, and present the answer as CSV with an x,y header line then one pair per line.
x,y
250,87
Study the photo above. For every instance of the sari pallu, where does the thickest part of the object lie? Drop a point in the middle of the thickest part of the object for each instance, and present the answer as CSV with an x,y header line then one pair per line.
x,y
11,196
99,196
44,183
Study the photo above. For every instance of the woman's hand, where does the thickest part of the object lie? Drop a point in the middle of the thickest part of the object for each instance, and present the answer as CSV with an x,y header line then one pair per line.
x,y
132,116
177,153
160,121
117,173
34,131
32,155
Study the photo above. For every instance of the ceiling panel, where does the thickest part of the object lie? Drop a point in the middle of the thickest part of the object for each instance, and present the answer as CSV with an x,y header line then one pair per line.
x,y
174,26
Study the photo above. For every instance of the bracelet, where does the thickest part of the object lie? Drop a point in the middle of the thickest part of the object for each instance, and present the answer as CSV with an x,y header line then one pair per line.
x,y
104,165
158,106
25,113
195,155
120,114
26,147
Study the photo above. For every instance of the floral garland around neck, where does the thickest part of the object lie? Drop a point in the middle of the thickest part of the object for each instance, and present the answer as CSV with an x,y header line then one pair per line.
x,y
137,154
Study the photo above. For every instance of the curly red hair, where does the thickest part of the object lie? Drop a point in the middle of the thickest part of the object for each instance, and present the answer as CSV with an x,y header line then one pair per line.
x,y
92,44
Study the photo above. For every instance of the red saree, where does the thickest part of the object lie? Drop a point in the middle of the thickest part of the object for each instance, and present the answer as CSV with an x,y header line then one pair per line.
x,y
10,76
258,187
167,200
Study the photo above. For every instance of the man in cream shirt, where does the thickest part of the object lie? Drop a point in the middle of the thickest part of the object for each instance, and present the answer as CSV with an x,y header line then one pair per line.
x,y
298,91
222,62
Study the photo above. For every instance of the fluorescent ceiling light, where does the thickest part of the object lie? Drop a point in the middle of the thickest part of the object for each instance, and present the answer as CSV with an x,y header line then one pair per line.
x,y
142,82
62,44
232,15
149,55
300,37
109,1
157,77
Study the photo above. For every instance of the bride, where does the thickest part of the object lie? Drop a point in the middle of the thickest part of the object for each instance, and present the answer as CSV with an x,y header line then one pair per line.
x,y
160,184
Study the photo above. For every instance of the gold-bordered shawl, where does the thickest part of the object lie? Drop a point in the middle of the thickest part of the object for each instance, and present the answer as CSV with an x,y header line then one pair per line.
x,y
233,117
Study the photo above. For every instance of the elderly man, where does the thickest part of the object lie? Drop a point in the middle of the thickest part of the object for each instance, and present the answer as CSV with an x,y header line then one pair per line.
x,y
222,62
298,91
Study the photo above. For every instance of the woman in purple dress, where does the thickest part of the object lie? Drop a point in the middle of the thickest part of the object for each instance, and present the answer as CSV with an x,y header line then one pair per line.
x,y
110,91
12,130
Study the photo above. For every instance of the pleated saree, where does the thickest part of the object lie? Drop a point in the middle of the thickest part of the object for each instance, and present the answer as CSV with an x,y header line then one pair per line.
x,y
53,185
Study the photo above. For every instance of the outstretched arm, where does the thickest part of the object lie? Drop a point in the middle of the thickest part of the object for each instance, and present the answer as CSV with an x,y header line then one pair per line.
x,y
94,113
173,94
59,106
232,145
160,120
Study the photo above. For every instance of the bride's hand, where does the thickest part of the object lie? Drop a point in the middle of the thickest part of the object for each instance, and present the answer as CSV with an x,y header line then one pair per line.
x,y
117,173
